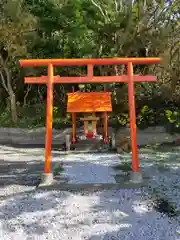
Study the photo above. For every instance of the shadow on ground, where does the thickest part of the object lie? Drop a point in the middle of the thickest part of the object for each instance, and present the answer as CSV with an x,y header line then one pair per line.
x,y
21,173
26,168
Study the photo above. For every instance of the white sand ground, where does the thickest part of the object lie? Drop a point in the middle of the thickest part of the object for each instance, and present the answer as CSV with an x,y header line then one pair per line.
x,y
121,214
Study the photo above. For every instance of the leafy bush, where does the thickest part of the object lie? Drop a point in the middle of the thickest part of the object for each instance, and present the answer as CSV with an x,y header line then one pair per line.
x,y
123,119
172,120
35,116
146,116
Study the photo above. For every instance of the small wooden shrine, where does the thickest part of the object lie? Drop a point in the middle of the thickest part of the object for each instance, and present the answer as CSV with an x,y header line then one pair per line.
x,y
90,103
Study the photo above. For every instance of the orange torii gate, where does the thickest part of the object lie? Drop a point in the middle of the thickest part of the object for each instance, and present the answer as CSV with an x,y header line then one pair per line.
x,y
49,80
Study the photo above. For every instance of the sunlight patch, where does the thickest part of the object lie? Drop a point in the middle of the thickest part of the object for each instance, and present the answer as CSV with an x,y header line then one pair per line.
x,y
120,214
140,208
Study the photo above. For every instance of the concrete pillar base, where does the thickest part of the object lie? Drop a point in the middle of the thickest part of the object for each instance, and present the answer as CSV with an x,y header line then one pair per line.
x,y
68,142
136,177
113,141
46,179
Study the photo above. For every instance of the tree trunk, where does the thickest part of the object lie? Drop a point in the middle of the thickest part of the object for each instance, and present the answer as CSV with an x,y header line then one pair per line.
x,y
12,98
13,107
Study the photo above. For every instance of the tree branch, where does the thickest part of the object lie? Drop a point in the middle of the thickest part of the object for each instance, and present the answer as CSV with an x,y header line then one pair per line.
x,y
27,92
4,82
100,9
9,86
116,5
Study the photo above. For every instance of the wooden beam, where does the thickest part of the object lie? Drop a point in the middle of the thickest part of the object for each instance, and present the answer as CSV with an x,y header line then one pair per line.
x,y
90,70
87,79
85,61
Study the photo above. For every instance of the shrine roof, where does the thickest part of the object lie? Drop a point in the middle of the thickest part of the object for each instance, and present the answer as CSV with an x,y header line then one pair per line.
x,y
89,102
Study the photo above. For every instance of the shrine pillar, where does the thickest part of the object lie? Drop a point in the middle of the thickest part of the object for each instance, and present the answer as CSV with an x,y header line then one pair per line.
x,y
47,177
105,126
136,175
73,128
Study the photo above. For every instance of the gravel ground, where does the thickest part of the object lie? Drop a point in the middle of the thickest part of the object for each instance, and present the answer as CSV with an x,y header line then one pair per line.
x,y
26,213
90,168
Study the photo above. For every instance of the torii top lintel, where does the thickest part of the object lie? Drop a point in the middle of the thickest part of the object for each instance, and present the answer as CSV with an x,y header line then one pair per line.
x,y
85,61
90,78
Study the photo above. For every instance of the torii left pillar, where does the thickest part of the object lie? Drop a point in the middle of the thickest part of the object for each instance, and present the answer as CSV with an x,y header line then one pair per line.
x,y
47,177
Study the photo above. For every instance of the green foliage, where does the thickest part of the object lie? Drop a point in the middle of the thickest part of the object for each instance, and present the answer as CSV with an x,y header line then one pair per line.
x,y
34,116
58,121
146,117
172,116
125,167
173,120
16,28
5,118
25,121
150,117
85,29
123,119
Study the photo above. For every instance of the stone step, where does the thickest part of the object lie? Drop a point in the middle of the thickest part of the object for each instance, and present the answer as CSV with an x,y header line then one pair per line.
x,y
90,145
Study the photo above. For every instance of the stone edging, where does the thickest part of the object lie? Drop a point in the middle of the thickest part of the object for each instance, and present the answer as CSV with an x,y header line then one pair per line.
x,y
29,136
150,135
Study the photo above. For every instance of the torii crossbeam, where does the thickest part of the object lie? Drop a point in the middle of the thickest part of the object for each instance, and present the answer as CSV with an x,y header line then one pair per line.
x,y
49,80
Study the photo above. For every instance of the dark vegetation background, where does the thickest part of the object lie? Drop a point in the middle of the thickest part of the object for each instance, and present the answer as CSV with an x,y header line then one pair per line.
x,y
89,29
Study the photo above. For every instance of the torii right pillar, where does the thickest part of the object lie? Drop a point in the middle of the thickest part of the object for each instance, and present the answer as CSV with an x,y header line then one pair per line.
x,y
136,175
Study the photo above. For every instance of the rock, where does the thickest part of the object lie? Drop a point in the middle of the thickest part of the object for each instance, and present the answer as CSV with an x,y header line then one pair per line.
x,y
119,150
124,144
177,141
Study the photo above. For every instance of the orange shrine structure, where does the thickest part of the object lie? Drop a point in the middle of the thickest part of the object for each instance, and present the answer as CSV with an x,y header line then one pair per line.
x,y
89,102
